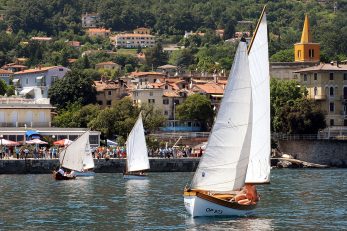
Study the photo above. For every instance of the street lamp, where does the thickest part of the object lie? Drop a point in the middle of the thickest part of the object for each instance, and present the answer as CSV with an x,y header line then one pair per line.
x,y
174,117
1,136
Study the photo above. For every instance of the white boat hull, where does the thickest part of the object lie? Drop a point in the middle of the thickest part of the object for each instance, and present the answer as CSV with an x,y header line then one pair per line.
x,y
134,177
84,174
198,207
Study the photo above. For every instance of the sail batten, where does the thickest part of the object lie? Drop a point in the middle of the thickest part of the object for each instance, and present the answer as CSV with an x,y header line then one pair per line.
x,y
259,165
223,165
137,155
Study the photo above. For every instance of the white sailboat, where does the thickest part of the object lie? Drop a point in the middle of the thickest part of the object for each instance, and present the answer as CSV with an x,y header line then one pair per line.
x,y
88,163
137,154
238,150
76,156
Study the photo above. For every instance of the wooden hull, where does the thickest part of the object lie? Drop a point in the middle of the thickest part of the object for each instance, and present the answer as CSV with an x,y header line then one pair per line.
x,y
200,204
58,176
134,176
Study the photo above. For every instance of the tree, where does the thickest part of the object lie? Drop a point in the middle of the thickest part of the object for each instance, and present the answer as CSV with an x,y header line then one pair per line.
x,y
182,58
291,112
283,56
155,56
3,87
76,86
196,107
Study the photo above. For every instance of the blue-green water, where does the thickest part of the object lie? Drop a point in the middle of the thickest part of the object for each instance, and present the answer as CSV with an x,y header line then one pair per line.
x,y
295,200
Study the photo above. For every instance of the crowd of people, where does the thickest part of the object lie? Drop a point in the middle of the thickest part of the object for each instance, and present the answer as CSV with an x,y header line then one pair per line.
x,y
45,152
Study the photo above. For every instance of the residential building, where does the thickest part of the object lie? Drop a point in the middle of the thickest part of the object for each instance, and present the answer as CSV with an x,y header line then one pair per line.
x,y
108,92
169,70
14,67
214,91
134,40
140,79
148,95
98,32
5,75
41,39
142,30
39,78
90,20
22,112
327,85
306,50
75,44
107,65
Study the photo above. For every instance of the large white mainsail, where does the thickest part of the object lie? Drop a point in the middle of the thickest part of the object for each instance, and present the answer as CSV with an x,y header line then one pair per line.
x,y
137,155
259,165
223,166
72,156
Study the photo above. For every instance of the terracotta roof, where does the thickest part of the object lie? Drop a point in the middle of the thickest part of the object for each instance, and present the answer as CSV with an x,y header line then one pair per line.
x,y
35,70
211,88
2,71
107,63
324,67
171,94
98,30
140,73
134,35
101,85
167,66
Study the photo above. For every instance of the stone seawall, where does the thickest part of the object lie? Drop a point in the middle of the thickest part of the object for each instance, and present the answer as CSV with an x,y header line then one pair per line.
x,y
41,166
326,152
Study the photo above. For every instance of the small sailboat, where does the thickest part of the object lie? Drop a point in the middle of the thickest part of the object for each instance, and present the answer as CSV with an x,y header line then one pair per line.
x,y
88,163
237,154
75,157
137,156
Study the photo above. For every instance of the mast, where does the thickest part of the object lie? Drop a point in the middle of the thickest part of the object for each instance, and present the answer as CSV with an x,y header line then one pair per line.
x,y
257,28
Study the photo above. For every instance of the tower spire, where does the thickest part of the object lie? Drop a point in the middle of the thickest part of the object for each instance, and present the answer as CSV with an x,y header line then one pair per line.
x,y
306,33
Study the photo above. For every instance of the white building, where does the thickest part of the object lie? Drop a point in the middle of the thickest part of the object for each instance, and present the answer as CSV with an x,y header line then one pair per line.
x,y
39,78
134,40
5,75
90,20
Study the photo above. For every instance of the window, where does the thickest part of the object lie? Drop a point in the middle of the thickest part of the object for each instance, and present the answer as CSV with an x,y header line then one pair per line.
x,y
305,77
166,112
151,93
332,122
27,81
315,76
345,76
311,53
100,102
331,107
109,102
109,92
61,69
299,53
331,76
165,101
315,91
151,100
166,87
331,91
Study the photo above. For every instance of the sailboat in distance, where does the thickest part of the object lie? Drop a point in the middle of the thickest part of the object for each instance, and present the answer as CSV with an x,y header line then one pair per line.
x,y
137,155
237,154
74,156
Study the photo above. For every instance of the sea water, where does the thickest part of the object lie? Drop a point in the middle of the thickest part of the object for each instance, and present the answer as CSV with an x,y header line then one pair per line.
x,y
296,199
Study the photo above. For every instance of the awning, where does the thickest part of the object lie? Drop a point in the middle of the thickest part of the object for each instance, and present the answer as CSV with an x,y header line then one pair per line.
x,y
26,91
15,80
217,96
39,77
32,134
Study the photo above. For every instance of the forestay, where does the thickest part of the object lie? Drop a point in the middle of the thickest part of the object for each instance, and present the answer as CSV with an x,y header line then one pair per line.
x,y
137,155
72,156
259,165
223,166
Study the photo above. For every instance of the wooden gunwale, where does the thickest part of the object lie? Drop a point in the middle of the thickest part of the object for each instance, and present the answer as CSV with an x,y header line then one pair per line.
x,y
218,199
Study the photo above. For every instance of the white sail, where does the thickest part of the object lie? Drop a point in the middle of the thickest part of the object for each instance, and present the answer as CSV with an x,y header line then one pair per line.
x,y
259,165
223,166
88,161
72,156
137,155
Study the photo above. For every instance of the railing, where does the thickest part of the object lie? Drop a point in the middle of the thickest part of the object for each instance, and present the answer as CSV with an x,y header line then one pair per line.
x,y
184,135
23,124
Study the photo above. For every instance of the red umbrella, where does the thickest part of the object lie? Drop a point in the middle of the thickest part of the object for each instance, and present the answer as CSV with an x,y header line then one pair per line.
x,y
8,142
62,142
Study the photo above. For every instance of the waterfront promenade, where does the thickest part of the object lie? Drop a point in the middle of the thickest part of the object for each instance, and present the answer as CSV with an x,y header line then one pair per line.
x,y
111,165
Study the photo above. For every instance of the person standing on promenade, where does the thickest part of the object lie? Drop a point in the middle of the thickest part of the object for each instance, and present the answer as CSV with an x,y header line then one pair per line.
x,y
16,149
26,152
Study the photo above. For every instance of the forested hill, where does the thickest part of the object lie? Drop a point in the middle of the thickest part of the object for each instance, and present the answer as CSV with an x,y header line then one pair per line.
x,y
173,17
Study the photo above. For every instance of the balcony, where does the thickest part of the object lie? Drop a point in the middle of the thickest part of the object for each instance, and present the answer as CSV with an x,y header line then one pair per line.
x,y
27,125
319,97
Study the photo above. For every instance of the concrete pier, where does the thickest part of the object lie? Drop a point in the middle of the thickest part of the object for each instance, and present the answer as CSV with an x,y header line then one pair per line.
x,y
46,166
